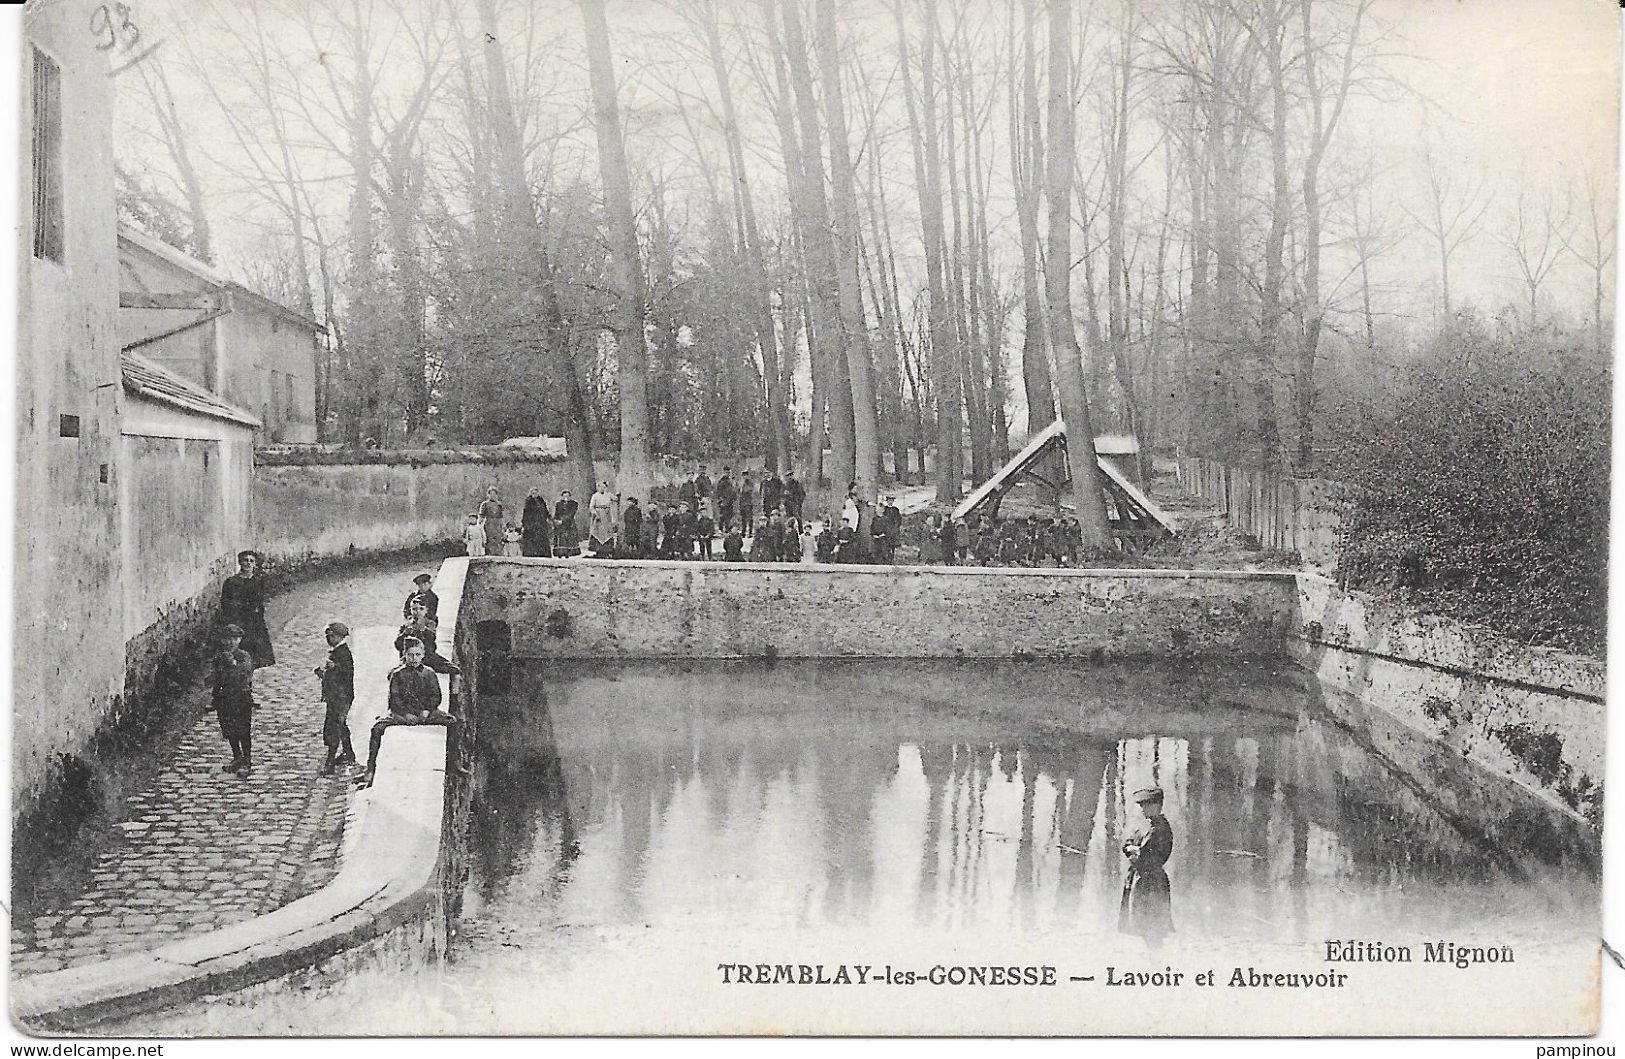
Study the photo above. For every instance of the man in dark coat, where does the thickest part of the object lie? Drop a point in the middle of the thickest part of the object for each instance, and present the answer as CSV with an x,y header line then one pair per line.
x,y
794,495
772,494
631,529
747,503
949,536
1147,905
565,534
726,496
702,494
846,543
825,544
687,492
242,603
535,531
671,544
690,532
649,544
890,521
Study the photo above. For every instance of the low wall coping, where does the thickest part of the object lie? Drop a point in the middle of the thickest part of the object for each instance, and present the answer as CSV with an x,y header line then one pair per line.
x,y
1392,632
817,569
389,877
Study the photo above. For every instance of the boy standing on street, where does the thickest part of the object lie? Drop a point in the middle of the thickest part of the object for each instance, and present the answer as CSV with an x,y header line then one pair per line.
x,y
233,698
337,675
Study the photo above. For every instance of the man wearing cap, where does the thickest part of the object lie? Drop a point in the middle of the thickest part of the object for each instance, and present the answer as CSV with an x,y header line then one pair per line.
x,y
1147,906
421,590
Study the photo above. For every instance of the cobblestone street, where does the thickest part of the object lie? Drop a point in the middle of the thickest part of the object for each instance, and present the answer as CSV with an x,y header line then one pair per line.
x,y
200,849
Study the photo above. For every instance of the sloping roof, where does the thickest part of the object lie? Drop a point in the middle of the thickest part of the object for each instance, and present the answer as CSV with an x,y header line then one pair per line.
x,y
211,276
170,255
146,379
276,308
1010,471
1055,434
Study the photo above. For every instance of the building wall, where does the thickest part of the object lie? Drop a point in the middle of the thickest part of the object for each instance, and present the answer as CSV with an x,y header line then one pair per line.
x,y
271,370
256,357
586,609
66,676
191,354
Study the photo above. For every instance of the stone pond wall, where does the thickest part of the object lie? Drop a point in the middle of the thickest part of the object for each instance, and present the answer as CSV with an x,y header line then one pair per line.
x,y
311,505
1533,715
582,608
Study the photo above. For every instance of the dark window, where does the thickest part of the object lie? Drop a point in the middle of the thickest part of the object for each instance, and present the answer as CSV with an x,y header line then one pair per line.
x,y
68,426
48,220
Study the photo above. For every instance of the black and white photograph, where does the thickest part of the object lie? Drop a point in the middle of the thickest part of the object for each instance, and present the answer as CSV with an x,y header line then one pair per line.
x,y
813,518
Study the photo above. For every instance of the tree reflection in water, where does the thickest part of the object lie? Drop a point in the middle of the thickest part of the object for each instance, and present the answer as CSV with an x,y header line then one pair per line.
x,y
846,793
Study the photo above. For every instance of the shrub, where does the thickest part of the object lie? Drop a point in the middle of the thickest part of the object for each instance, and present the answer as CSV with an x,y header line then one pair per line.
x,y
1480,486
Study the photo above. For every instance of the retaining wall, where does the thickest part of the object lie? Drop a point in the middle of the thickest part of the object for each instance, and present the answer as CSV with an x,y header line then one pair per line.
x,y
1532,715
320,505
574,608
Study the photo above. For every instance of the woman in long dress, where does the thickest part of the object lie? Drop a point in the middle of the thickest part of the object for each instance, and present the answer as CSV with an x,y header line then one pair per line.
x,y
601,519
242,603
1147,905
491,518
535,529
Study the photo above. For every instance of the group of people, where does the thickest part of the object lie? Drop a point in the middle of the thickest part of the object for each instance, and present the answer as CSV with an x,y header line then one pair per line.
x,y
992,541
743,521
243,644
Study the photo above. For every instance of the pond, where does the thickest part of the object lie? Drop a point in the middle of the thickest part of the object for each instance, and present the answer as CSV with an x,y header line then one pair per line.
x,y
650,842
639,829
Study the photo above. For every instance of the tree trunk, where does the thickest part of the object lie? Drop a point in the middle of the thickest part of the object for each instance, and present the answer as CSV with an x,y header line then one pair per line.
x,y
865,429
1087,498
928,180
777,439
631,346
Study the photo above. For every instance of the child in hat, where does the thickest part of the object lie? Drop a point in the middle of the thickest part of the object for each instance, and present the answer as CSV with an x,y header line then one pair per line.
x,y
337,675
233,698
421,590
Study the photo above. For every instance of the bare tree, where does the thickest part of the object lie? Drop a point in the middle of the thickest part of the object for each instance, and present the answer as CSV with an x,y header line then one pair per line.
x,y
1536,241
1087,497
632,354
1592,242
1450,214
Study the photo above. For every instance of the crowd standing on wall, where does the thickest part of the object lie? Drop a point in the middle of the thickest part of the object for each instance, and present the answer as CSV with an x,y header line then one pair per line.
x,y
992,541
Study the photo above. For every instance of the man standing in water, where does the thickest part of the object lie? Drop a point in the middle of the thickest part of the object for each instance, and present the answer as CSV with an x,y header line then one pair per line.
x,y
1147,905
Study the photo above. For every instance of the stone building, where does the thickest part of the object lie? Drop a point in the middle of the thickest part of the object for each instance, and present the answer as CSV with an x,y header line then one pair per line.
x,y
133,481
190,319
67,675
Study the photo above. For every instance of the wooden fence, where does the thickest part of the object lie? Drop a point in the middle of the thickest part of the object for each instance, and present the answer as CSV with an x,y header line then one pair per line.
x,y
1288,514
